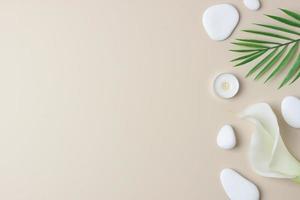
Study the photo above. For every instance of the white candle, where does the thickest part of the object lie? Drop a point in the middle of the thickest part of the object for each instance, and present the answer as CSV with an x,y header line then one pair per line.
x,y
226,85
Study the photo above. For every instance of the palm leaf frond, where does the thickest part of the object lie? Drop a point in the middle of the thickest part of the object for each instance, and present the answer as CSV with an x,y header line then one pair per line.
x,y
285,21
257,41
251,45
245,56
245,50
251,58
268,34
261,63
271,63
275,50
292,72
285,61
278,28
291,14
296,78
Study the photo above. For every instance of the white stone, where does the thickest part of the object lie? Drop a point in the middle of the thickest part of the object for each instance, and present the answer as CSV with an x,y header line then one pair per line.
x,y
220,20
252,4
290,109
226,85
237,187
226,137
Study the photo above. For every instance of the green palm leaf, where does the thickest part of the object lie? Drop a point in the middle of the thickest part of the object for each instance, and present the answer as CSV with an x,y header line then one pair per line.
x,y
261,63
249,59
292,72
257,41
276,50
278,28
271,63
251,45
268,34
296,78
285,61
291,14
245,50
285,21
244,57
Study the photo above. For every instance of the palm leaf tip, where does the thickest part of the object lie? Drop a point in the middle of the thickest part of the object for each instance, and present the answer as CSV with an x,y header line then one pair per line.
x,y
249,59
249,44
285,21
268,34
278,28
243,50
296,78
291,14
257,41
244,57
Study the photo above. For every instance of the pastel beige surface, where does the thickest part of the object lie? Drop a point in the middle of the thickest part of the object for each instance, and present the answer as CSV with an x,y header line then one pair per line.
x,y
112,99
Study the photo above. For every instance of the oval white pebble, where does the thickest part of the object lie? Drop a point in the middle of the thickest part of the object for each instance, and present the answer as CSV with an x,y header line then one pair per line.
x,y
252,4
220,20
226,85
290,109
237,187
226,137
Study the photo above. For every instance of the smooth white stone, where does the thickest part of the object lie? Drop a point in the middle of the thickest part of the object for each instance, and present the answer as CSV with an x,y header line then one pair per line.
x,y
252,4
290,109
237,187
226,137
226,85
220,20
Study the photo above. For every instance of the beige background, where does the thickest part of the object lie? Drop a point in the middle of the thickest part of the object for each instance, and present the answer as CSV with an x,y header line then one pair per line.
x,y
112,100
